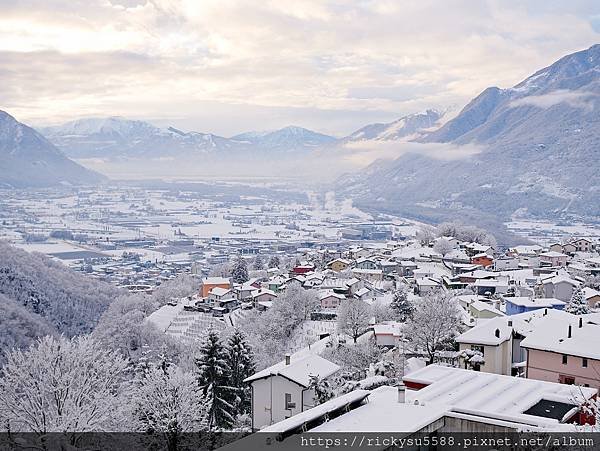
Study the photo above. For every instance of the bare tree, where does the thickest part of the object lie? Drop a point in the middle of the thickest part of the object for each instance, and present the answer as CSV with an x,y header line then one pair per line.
x,y
353,318
443,247
433,324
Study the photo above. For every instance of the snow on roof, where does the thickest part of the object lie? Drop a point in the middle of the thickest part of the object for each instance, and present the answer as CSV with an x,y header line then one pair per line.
x,y
523,323
324,294
493,395
299,370
332,405
484,306
218,291
549,336
260,291
560,278
387,329
524,301
215,281
553,254
383,413
590,292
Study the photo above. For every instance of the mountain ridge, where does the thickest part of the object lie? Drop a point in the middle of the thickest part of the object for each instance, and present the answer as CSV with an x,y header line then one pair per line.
x,y
29,159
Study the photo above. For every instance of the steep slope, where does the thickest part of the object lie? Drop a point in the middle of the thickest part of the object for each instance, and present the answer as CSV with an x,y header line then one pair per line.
x,y
27,159
411,125
537,152
39,296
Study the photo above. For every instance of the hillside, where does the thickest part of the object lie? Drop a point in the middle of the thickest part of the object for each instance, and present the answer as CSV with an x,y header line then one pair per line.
x,y
43,297
532,150
27,159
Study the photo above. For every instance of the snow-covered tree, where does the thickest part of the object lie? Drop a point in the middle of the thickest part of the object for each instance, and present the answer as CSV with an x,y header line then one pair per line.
x,y
274,262
322,388
181,286
353,318
578,304
258,263
443,247
213,381
425,235
400,306
61,385
473,359
433,324
239,271
240,360
380,312
167,401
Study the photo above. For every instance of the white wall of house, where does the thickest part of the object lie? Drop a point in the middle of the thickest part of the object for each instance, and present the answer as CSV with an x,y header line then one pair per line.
x,y
497,358
269,400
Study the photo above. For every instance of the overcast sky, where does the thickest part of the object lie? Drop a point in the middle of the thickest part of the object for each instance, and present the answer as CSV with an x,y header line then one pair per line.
x,y
227,66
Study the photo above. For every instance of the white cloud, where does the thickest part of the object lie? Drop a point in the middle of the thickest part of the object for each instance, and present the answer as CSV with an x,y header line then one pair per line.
x,y
339,60
578,99
364,152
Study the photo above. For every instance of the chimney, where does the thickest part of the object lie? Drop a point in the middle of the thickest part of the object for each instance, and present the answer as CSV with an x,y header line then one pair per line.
x,y
401,393
569,336
580,322
497,333
545,311
288,358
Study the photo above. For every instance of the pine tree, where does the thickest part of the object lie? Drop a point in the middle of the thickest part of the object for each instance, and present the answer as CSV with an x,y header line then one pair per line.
x,y
241,364
577,305
400,306
213,381
239,272
274,262
258,263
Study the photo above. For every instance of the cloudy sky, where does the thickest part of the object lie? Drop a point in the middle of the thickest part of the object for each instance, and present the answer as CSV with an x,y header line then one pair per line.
x,y
227,66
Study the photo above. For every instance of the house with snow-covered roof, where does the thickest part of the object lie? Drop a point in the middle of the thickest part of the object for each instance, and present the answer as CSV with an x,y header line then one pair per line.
x,y
566,352
438,399
499,339
556,259
283,390
522,304
560,286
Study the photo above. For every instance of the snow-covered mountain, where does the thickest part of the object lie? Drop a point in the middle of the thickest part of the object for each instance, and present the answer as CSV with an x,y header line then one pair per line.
x,y
29,159
116,137
530,149
287,138
412,125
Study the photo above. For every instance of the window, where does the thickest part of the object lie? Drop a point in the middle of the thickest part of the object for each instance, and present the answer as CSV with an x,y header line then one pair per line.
x,y
566,380
478,348
289,405
565,359
584,363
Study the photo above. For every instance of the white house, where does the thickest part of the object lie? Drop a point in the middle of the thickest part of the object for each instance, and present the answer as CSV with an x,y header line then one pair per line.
x,y
283,390
559,286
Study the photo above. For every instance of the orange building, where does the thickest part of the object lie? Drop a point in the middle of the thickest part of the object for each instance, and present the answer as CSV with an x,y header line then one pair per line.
x,y
482,259
209,283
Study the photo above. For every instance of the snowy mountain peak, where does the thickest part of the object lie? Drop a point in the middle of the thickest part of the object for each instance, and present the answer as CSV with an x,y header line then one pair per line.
x,y
407,126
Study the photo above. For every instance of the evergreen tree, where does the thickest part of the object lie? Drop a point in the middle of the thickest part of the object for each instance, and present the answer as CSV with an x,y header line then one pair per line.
x,y
213,381
577,305
400,306
258,263
241,364
239,272
274,262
